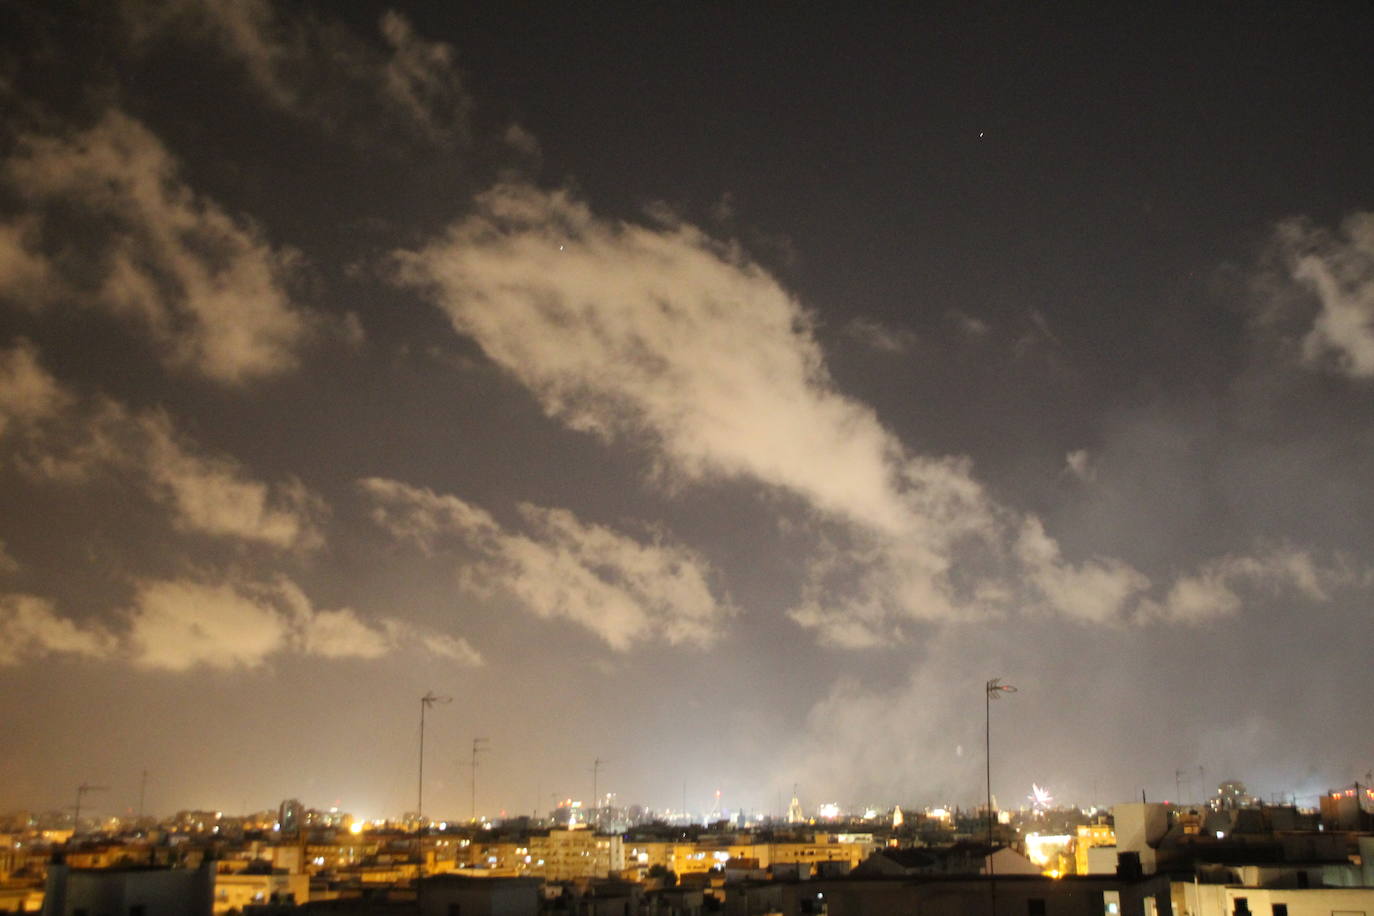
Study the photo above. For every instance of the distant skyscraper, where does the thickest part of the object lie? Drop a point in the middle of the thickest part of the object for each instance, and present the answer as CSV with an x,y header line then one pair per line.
x,y
794,812
897,816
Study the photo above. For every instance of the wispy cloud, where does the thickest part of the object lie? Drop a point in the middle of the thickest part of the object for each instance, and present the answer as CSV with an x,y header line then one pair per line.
x,y
54,435
623,590
1337,269
28,392
1078,463
400,84
1216,590
663,333
221,623
30,630
211,494
668,337
880,336
1100,590
208,287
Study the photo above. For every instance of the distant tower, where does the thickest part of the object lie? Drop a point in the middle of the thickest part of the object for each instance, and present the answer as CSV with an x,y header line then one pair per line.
x,y
794,812
896,817
290,816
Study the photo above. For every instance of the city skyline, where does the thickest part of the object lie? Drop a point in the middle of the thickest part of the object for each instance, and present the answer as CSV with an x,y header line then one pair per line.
x,y
723,393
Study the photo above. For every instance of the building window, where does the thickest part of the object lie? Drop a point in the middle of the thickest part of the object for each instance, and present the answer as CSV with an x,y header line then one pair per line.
x,y
1280,909
1035,906
1242,906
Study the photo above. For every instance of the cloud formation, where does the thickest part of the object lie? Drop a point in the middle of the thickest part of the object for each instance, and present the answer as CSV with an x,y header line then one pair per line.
x,y
109,214
210,493
320,71
223,624
879,336
621,589
31,630
1216,589
28,392
1337,268
666,336
53,435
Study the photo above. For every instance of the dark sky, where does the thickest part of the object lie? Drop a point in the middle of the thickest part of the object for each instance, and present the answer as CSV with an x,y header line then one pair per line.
x,y
724,392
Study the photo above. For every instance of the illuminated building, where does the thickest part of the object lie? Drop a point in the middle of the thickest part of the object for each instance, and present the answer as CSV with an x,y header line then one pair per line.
x,y
1092,836
795,815
563,855
233,891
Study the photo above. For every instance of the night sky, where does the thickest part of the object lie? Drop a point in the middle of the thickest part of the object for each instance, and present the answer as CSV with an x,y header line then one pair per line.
x,y
723,391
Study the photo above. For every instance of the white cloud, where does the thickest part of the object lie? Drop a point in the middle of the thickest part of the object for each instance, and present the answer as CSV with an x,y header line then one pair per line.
x,y
668,336
178,625
1095,591
208,287
341,634
1338,269
319,70
211,495
8,564
665,336
31,630
1216,590
225,624
420,76
879,336
1079,464
28,392
56,436
454,648
622,590
969,325
26,276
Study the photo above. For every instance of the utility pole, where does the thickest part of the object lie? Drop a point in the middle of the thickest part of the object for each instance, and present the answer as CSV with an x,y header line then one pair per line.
x,y
476,748
142,793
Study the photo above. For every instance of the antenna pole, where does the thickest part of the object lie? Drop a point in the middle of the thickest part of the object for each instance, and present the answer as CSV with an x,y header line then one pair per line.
x,y
476,748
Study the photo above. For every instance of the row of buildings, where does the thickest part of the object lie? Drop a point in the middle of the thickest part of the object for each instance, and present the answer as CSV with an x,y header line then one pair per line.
x,y
1139,860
